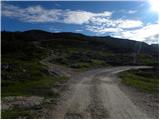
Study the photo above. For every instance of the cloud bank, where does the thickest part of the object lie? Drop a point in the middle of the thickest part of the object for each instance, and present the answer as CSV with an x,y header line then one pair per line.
x,y
39,14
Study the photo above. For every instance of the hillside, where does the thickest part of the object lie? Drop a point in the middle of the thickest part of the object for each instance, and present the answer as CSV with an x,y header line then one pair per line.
x,y
24,74
80,49
74,50
21,56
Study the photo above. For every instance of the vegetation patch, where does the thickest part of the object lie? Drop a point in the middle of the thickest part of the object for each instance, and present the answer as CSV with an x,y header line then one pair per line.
x,y
24,75
23,113
40,87
21,78
144,79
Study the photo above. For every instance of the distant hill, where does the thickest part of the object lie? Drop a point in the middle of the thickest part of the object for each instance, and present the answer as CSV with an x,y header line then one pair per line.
x,y
155,45
115,51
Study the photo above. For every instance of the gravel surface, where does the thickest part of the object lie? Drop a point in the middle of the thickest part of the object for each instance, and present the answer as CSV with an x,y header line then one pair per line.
x,y
20,102
97,94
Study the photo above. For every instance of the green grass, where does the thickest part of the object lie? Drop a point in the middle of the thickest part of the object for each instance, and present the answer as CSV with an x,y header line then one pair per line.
x,y
35,80
97,62
140,80
80,56
40,87
23,75
93,63
147,60
23,113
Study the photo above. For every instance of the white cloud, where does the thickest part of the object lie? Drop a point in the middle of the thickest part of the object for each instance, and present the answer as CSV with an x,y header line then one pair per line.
x,y
39,14
30,14
118,23
126,11
102,29
78,30
77,17
152,39
132,11
103,25
81,17
103,21
127,24
52,29
7,10
103,14
148,33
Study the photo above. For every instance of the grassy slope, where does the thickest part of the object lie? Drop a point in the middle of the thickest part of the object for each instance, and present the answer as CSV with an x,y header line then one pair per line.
x,y
34,81
143,79
86,55
23,75
26,78
19,113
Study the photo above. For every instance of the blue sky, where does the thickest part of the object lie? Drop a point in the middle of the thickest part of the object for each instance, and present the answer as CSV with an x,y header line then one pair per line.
x,y
131,20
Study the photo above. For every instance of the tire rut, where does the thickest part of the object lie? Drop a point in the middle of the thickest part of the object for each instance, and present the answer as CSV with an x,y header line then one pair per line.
x,y
96,107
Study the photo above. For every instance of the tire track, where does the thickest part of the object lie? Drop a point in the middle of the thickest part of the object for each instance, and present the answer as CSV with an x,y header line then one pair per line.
x,y
96,107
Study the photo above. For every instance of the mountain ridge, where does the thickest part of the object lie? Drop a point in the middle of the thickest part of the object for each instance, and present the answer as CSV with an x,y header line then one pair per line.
x,y
35,31
105,42
82,46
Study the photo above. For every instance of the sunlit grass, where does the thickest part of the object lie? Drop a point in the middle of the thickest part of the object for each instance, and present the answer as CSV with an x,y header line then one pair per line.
x,y
140,81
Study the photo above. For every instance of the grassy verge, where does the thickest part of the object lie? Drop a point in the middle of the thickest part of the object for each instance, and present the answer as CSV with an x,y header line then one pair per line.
x,y
27,78
144,79
42,87
23,75
22,113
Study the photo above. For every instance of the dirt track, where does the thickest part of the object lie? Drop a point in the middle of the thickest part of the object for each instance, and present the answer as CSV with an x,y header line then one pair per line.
x,y
96,94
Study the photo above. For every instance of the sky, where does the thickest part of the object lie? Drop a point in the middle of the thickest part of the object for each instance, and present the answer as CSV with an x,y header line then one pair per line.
x,y
122,19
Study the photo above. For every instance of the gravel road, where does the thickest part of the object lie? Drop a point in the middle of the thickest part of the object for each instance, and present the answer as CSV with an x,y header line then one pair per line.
x,y
96,94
